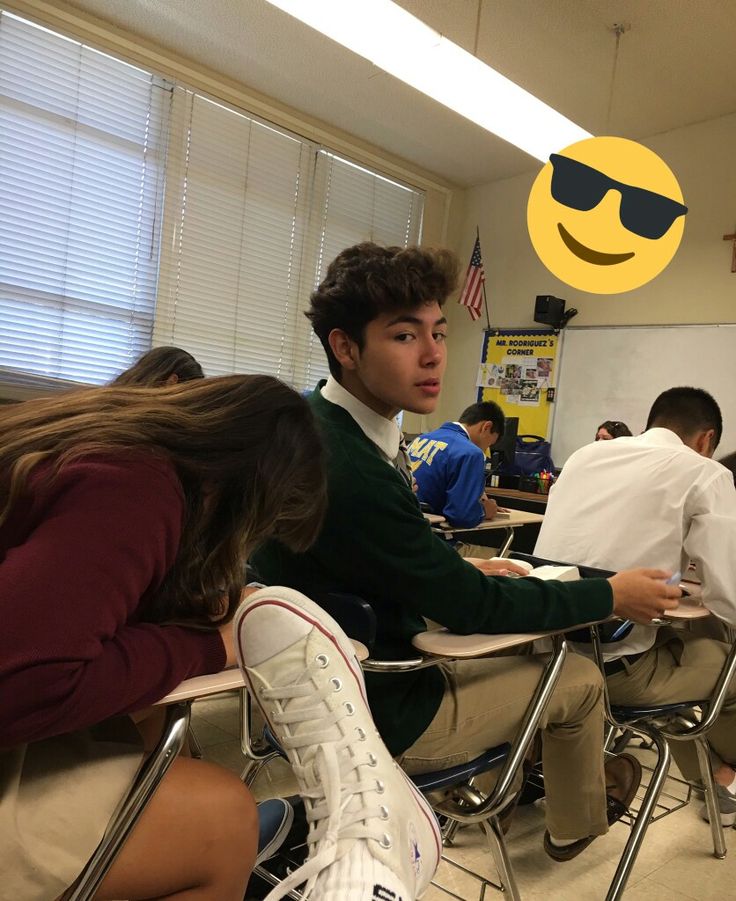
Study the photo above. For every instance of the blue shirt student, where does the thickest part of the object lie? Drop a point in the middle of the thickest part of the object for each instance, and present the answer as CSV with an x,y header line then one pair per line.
x,y
449,465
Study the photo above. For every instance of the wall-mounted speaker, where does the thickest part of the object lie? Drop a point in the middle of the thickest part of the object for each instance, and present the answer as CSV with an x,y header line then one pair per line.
x,y
549,310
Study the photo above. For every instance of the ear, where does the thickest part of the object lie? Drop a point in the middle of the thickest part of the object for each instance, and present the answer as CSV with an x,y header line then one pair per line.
x,y
705,442
344,348
172,379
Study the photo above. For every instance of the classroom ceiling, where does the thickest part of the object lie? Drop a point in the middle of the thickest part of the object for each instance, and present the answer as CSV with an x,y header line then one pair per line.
x,y
674,68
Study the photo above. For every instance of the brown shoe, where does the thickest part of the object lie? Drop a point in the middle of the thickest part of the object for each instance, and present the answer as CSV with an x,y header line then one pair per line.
x,y
623,775
566,852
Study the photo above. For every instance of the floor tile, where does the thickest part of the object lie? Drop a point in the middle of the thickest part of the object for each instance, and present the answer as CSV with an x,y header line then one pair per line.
x,y
697,874
221,710
207,734
675,863
227,754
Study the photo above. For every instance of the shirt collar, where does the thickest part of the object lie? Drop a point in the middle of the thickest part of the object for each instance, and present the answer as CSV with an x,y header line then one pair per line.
x,y
384,433
661,436
462,427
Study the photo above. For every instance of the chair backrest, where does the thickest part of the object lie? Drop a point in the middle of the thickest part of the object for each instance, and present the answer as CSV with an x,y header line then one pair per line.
x,y
354,614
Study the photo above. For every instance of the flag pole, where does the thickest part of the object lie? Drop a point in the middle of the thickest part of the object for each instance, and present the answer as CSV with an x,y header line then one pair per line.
x,y
483,285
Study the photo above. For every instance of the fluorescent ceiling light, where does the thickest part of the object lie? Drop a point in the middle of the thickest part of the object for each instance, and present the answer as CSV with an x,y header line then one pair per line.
x,y
402,45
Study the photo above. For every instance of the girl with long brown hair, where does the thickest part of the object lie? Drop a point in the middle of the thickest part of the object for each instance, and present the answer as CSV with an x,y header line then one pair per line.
x,y
126,515
161,366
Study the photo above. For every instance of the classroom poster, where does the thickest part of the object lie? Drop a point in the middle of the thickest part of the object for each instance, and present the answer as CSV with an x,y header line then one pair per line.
x,y
516,369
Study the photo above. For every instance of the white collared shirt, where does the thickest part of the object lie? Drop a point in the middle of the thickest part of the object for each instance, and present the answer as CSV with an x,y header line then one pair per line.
x,y
384,433
647,501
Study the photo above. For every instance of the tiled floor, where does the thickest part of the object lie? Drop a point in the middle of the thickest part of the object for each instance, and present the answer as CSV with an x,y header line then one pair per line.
x,y
675,864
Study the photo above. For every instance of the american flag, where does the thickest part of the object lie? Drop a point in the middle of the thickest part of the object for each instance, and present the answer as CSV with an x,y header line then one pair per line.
x,y
472,292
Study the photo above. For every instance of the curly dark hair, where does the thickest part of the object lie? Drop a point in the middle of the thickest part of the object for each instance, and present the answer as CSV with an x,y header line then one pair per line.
x,y
367,280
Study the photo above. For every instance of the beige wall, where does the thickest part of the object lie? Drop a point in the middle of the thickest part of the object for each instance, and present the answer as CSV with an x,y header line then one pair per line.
x,y
697,286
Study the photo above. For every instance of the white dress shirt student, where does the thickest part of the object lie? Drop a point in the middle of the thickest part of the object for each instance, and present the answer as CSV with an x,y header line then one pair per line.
x,y
658,499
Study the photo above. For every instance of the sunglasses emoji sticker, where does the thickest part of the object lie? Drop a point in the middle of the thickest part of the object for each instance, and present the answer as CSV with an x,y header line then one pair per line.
x,y
605,215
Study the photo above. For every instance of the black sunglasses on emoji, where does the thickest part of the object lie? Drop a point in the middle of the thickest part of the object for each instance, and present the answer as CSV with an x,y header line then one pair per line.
x,y
642,212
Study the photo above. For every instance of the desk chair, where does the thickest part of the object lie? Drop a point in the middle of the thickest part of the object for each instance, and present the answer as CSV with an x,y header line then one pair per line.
x,y
465,803
664,724
661,725
178,710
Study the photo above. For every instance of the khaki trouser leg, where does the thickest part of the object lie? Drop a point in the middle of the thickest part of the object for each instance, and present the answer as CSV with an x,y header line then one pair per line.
x,y
682,667
482,708
476,550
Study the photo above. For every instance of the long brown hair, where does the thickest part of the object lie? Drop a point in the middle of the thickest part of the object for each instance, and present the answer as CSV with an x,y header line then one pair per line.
x,y
158,365
245,448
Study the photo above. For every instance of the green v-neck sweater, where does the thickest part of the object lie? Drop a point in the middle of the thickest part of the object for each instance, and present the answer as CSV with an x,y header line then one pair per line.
x,y
375,543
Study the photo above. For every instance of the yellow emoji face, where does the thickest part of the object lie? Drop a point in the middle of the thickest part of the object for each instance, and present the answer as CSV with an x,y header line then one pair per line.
x,y
605,215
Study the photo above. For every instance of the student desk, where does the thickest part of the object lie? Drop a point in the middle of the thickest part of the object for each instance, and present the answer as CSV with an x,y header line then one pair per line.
x,y
521,500
691,606
482,533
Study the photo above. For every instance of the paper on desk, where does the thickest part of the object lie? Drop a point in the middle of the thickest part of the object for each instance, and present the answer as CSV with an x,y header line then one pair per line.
x,y
560,573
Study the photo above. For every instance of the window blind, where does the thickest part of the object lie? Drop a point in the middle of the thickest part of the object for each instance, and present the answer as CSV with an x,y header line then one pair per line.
x,y
355,205
235,224
81,178
250,217
253,217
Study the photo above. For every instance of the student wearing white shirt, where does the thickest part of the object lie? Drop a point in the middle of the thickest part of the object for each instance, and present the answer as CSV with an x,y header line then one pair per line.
x,y
659,499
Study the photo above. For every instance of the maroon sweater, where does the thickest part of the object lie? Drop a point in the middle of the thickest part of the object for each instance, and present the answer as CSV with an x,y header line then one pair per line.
x,y
78,557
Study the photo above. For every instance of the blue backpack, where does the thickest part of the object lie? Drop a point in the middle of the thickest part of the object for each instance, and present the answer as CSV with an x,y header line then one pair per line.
x,y
532,455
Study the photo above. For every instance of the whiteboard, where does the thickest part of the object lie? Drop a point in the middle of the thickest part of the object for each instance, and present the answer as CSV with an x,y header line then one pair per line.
x,y
616,372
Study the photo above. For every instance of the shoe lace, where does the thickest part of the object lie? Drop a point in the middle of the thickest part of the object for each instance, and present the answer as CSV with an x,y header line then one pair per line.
x,y
329,773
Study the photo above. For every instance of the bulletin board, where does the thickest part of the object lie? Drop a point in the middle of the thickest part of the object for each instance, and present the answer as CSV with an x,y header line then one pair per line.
x,y
517,366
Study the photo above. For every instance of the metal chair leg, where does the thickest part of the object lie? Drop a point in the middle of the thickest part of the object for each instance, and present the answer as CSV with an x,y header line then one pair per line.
x,y
152,772
649,802
251,770
711,799
492,830
609,737
195,749
449,831
506,547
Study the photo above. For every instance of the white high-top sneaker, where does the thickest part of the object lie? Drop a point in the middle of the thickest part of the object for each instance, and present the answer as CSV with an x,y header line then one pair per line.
x,y
372,836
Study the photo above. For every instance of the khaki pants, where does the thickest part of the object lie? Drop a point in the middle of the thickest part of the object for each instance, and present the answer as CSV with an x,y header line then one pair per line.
x,y
482,708
476,550
56,798
681,667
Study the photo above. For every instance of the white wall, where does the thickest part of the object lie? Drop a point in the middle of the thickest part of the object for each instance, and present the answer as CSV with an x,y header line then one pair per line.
x,y
697,286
